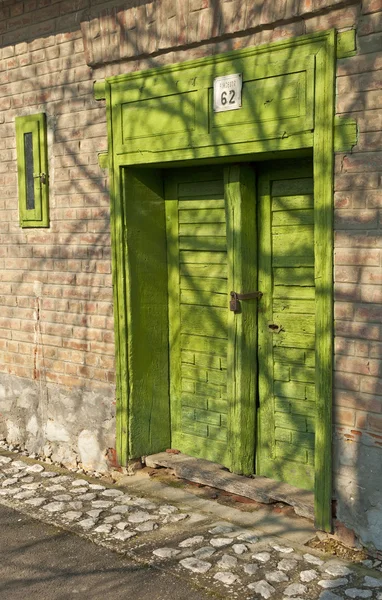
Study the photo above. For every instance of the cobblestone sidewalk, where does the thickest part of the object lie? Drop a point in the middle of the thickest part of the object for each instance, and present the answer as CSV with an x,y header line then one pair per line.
x,y
228,560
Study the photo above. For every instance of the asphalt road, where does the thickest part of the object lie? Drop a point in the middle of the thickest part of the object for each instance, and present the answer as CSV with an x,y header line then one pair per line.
x,y
38,561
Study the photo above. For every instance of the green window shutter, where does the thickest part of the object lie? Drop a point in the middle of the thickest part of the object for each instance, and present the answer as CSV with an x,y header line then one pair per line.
x,y
32,167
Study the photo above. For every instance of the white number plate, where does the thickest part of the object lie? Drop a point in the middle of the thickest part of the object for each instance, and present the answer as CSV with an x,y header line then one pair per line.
x,y
227,92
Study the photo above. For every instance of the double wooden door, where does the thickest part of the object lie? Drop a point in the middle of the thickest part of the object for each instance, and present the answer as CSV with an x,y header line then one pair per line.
x,y
242,384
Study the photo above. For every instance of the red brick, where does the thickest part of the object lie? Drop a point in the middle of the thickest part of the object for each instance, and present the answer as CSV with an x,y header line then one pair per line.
x,y
371,385
344,416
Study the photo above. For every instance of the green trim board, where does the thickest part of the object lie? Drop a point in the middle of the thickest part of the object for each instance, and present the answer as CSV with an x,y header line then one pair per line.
x,y
32,169
194,137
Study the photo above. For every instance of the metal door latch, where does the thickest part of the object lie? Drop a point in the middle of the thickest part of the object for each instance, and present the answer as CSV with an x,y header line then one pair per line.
x,y
234,304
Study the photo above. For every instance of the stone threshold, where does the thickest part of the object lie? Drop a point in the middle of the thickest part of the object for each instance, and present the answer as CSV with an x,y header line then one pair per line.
x,y
260,489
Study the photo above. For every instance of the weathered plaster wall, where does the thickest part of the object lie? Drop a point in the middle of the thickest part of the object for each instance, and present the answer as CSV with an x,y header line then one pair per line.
x,y
55,295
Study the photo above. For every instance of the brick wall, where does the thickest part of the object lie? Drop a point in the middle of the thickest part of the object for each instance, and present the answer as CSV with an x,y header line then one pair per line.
x,y
56,326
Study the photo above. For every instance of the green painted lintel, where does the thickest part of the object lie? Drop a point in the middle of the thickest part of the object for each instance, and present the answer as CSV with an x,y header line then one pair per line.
x,y
346,44
99,90
103,160
345,134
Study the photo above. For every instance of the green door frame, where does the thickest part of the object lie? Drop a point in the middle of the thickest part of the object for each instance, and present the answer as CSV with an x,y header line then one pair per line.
x,y
202,147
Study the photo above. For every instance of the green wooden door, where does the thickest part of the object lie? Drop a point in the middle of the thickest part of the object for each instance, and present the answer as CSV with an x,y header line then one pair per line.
x,y
197,259
270,398
286,321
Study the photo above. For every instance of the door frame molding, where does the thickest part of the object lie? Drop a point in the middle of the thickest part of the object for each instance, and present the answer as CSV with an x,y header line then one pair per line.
x,y
322,46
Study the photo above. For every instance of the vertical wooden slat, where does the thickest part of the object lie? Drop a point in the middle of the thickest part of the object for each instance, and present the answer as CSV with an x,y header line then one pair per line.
x,y
240,195
323,191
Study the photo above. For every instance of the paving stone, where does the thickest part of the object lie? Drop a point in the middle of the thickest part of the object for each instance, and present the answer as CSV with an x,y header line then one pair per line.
x,y
120,509
112,493
379,596
308,576
192,541
88,497
121,526
226,578
239,548
19,464
94,513
249,537
35,469
63,478
72,515
313,560
102,504
251,568
10,481
75,505
62,498
147,526
105,528
80,483
326,595
55,488
5,460
139,517
220,542
31,486
295,588
87,524
357,593
166,552
372,582
227,562
167,509
332,583
96,487
27,478
221,529
276,576
174,518
287,564
54,507
124,535
262,557
263,588
112,519
48,474
35,501
283,549
195,565
26,494
338,570
204,552
79,490
10,491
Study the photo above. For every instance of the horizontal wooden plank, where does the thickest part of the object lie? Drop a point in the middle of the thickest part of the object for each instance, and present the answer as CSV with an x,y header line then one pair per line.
x,y
300,276
304,439
211,361
194,373
204,270
292,217
217,433
203,320
291,452
290,389
203,243
283,435
281,372
204,298
292,187
292,292
219,405
305,374
209,390
295,407
205,215
291,323
310,358
194,401
304,307
216,258
293,260
194,427
289,355
202,229
292,340
207,416
213,450
292,422
192,189
188,357
198,203
203,343
219,377
188,386
293,202
204,284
